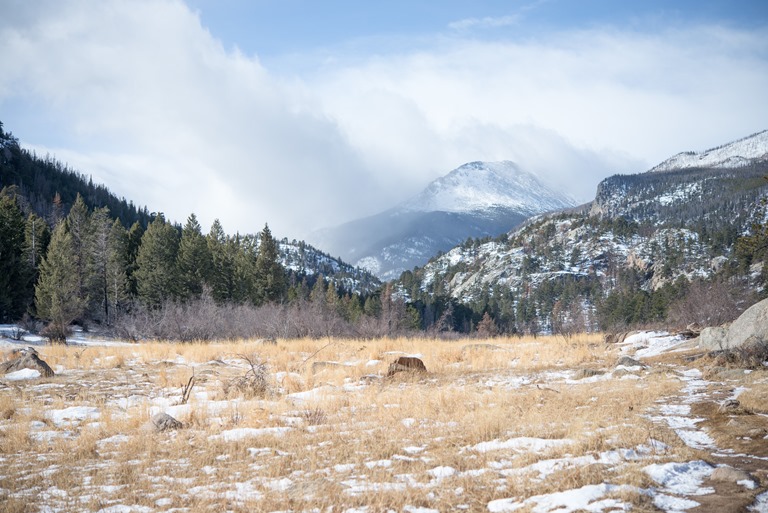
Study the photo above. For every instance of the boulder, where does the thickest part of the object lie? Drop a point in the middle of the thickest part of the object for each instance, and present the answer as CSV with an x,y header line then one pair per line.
x,y
750,327
627,361
732,475
164,422
713,338
406,364
27,359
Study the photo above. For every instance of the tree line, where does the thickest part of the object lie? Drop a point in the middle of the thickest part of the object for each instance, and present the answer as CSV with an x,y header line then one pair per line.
x,y
169,281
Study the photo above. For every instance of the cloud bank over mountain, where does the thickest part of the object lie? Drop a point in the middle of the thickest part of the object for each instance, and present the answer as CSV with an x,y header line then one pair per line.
x,y
143,97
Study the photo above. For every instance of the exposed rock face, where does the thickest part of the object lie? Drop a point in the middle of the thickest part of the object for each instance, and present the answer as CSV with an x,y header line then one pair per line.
x,y
751,326
406,363
713,338
27,359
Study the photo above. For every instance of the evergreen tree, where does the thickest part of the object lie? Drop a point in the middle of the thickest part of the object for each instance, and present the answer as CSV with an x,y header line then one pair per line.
x,y
156,263
118,288
101,228
194,261
15,273
79,228
133,243
270,274
244,253
37,236
56,293
222,277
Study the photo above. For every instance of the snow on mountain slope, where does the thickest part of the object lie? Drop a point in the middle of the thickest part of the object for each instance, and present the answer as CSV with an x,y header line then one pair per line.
x,y
732,155
478,199
484,185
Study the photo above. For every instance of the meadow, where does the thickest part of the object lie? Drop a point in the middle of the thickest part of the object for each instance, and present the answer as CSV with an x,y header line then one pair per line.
x,y
505,424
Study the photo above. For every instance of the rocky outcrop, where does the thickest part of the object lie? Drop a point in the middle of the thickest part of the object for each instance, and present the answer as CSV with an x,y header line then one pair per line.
x,y
27,359
713,338
751,327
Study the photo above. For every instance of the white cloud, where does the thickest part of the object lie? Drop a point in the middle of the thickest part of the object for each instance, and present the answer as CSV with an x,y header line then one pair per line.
x,y
142,97
486,22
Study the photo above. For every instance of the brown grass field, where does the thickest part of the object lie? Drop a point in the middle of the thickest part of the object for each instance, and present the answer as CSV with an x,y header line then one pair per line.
x,y
491,420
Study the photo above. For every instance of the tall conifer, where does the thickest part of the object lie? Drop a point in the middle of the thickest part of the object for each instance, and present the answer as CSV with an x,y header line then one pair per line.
x,y
194,261
156,276
56,293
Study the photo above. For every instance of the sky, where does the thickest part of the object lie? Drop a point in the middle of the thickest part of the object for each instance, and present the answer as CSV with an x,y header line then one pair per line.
x,y
305,114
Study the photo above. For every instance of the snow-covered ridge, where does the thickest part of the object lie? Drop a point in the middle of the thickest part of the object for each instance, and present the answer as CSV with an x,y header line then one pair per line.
x,y
486,185
732,155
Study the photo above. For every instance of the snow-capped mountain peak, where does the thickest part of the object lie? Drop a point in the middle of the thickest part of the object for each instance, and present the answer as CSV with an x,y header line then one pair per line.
x,y
479,186
732,155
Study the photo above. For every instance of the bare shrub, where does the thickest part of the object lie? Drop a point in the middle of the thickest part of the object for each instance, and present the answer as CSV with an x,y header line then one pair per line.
x,y
711,303
748,356
314,416
254,383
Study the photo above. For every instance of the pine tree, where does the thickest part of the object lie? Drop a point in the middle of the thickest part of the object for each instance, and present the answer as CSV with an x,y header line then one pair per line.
x,y
56,293
15,273
270,274
133,243
118,289
79,228
101,227
222,277
194,261
37,236
156,263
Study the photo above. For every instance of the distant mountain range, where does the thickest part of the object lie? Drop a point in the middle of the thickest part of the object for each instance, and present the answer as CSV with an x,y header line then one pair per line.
x,y
617,259
478,199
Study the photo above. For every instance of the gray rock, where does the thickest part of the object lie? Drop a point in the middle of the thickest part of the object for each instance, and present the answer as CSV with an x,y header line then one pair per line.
x,y
587,373
627,361
164,422
751,326
731,475
713,338
26,359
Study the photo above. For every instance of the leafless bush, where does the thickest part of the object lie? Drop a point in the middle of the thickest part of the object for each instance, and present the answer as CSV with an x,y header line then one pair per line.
x,y
748,356
314,416
254,383
711,303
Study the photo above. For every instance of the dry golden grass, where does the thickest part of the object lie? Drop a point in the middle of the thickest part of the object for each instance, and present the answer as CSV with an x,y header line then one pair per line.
x,y
355,441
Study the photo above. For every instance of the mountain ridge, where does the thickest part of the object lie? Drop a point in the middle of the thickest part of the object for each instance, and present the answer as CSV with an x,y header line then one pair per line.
x,y
477,199
614,261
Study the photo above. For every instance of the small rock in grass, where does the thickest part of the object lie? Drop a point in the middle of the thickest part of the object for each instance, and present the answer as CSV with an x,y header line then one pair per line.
x,y
406,363
587,373
164,422
627,361
731,475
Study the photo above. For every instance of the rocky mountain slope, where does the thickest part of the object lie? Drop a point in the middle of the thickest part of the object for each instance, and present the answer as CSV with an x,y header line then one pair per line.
x,y
477,199
303,259
641,234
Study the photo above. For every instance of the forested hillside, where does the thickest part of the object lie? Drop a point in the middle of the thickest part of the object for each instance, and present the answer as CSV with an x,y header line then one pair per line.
x,y
67,257
49,188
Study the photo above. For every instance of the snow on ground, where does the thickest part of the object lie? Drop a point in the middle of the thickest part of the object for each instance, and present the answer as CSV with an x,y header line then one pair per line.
x,y
677,486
